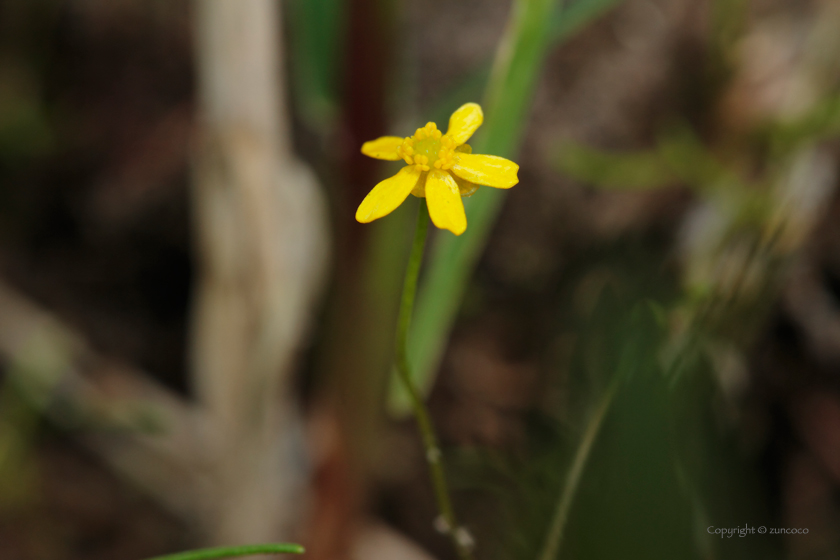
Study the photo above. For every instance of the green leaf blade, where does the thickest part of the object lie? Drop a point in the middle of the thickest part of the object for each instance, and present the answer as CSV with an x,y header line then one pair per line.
x,y
234,551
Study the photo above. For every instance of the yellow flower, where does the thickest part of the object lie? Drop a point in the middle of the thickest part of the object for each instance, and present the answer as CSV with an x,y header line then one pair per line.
x,y
441,168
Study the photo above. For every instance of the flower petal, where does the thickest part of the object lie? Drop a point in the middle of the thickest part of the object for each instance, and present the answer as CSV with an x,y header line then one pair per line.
x,y
480,169
383,148
467,189
419,189
387,195
444,200
464,121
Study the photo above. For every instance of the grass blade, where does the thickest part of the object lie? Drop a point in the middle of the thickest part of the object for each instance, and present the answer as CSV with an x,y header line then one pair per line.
x,y
233,551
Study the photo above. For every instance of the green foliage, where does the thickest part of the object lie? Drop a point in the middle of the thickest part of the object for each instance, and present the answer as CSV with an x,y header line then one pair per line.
x,y
640,170
19,423
636,465
688,158
25,127
821,122
233,551
316,35
575,16
679,158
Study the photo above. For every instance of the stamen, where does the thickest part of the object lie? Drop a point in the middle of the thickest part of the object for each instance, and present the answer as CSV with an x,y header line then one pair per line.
x,y
406,150
422,163
428,147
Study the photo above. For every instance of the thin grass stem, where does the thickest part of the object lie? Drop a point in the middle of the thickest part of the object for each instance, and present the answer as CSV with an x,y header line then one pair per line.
x,y
554,538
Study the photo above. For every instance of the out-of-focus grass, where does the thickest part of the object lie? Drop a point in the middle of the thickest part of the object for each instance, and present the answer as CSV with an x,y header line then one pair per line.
x,y
660,470
631,171
25,129
316,35
667,466
678,158
18,429
26,392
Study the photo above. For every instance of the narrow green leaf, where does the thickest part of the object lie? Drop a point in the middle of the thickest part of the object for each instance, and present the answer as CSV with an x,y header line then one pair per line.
x,y
557,527
233,551
316,33
577,15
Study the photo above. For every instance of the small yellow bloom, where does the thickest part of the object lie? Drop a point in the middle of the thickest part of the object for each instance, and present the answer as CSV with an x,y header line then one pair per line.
x,y
441,168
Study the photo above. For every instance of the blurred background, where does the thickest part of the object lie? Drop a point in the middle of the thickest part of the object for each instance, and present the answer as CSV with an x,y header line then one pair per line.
x,y
636,346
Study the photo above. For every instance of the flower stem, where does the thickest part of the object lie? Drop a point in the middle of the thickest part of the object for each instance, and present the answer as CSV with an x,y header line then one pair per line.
x,y
567,494
460,538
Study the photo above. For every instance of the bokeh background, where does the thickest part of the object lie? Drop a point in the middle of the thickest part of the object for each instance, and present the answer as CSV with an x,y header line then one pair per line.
x,y
196,336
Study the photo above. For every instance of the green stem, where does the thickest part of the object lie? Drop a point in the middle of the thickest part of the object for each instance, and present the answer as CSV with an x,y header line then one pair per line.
x,y
567,493
421,414
232,551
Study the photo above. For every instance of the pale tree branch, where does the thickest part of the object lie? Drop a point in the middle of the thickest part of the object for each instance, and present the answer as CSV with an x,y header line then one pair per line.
x,y
262,235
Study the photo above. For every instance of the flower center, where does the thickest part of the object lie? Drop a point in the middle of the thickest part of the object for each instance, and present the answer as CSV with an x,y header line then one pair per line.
x,y
428,148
